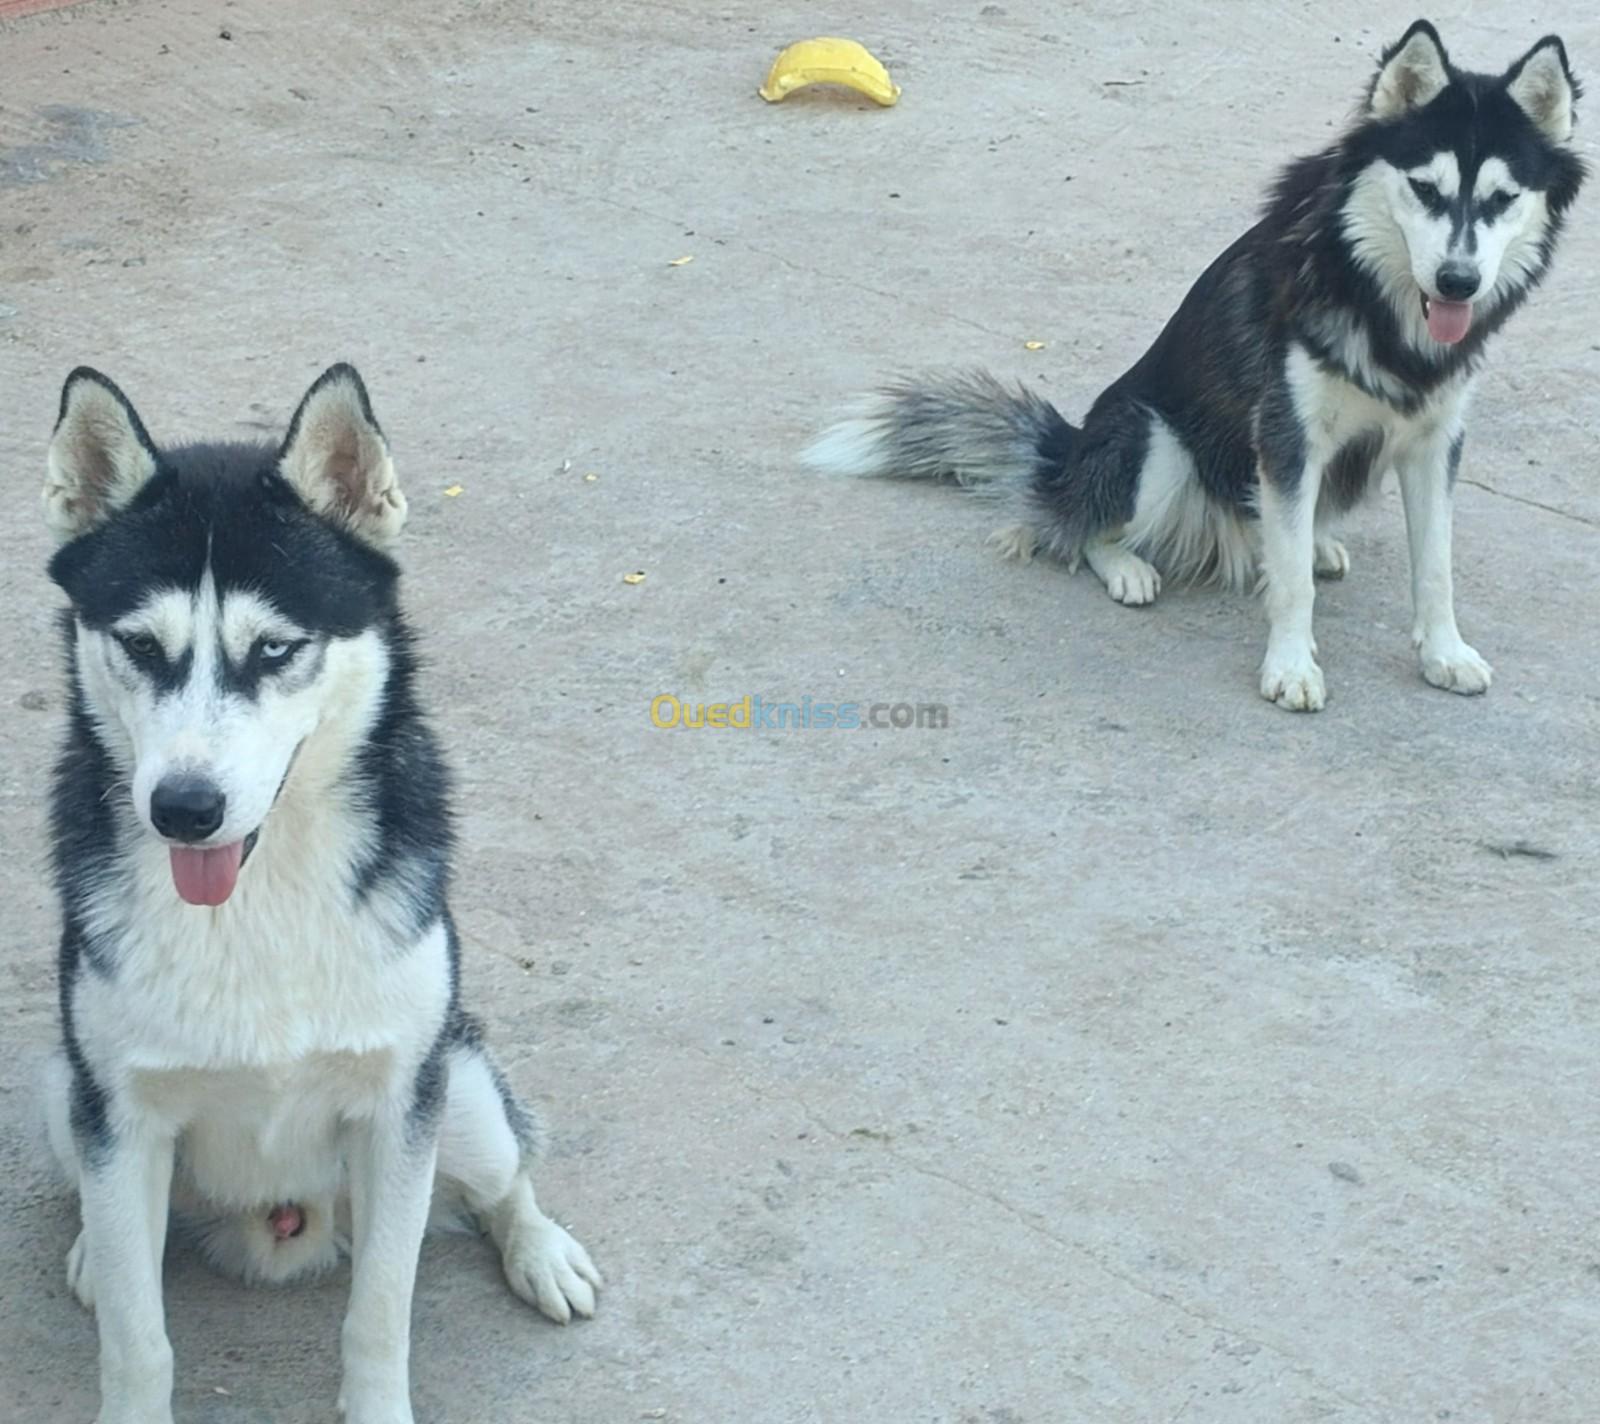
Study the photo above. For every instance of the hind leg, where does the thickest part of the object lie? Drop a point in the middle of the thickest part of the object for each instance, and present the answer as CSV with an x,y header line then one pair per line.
x,y
485,1151
56,1091
1132,458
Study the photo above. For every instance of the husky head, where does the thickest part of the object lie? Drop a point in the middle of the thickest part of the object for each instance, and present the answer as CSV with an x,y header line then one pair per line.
x,y
1461,182
227,602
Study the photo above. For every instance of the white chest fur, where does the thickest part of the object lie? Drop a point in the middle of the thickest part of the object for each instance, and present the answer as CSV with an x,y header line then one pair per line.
x,y
1334,411
294,990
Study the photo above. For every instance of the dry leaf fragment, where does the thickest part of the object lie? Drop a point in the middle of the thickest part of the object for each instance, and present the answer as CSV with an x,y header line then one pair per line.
x,y
633,578
681,261
452,492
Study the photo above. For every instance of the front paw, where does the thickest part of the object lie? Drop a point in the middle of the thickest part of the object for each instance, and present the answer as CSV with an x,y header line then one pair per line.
x,y
1451,664
1294,681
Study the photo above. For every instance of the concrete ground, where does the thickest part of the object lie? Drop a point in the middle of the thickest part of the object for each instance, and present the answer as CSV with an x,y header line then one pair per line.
x,y
1129,1050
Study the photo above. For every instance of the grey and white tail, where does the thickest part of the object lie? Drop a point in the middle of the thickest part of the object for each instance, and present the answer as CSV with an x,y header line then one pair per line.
x,y
1120,494
966,427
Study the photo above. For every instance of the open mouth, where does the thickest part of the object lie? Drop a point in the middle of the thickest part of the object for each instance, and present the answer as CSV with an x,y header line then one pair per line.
x,y
206,875
1447,322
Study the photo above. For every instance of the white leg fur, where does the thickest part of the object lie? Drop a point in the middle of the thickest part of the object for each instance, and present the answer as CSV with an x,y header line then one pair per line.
x,y
391,1181
1177,526
1289,673
1447,661
1127,577
124,1197
480,1156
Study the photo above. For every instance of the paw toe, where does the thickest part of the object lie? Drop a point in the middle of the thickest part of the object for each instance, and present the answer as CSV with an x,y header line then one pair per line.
x,y
1295,688
1458,670
1135,587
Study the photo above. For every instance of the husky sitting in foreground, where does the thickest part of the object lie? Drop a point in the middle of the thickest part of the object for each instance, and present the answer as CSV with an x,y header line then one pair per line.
x,y
260,1009
1337,338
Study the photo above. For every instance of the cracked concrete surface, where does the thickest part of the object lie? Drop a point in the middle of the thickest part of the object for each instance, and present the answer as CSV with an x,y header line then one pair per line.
x,y
1127,1051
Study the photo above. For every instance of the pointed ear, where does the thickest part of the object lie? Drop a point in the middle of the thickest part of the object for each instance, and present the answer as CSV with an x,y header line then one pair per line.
x,y
100,456
1412,73
1543,86
336,458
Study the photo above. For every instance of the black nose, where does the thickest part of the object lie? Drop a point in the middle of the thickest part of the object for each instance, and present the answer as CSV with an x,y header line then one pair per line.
x,y
1457,281
185,807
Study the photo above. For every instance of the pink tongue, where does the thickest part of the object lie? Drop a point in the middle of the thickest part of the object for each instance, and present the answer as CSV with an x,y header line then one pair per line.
x,y
206,877
1448,321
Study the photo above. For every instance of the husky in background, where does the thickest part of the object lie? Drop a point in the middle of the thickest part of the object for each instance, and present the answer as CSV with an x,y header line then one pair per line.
x,y
261,1016
1336,339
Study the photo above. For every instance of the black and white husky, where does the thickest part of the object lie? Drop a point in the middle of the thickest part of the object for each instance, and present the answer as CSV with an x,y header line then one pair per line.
x,y
261,1017
1338,338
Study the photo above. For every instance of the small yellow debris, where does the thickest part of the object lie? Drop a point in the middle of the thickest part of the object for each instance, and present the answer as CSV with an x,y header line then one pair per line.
x,y
681,261
829,60
452,492
633,578
590,479
1033,346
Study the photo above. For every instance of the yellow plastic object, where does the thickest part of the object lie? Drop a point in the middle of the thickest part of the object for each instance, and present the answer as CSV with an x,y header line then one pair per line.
x,y
829,61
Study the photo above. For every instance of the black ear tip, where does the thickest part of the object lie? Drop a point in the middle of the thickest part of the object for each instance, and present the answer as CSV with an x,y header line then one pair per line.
x,y
341,373
87,375
1549,42
1554,42
79,374
1418,27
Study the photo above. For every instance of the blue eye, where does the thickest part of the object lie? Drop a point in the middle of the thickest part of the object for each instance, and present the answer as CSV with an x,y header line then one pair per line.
x,y
276,651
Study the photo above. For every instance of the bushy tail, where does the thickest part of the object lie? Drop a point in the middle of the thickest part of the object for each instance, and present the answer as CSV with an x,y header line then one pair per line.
x,y
966,427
